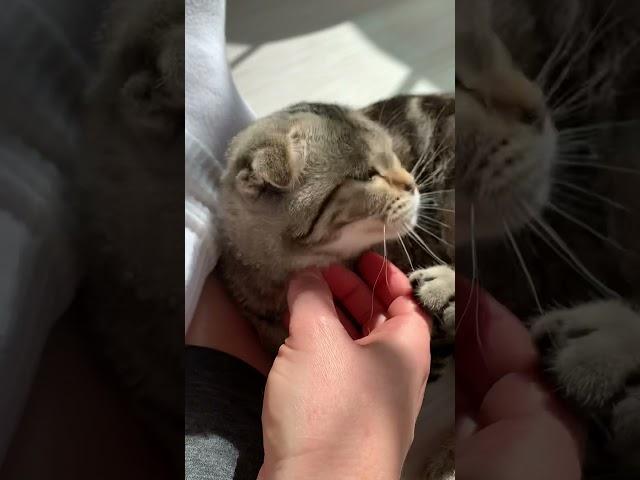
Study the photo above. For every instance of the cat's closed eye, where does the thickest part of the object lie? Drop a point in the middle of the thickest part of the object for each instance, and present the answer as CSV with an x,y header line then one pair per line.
x,y
367,176
472,91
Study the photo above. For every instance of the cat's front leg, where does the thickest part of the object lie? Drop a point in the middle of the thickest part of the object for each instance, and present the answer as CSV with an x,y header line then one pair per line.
x,y
435,288
592,355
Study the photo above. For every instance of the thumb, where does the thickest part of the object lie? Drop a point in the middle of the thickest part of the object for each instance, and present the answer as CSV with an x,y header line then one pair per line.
x,y
313,315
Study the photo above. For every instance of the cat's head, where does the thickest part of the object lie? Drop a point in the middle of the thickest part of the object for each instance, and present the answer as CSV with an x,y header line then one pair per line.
x,y
505,138
317,182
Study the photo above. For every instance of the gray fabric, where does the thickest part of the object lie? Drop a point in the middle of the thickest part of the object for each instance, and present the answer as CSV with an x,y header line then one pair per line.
x,y
223,406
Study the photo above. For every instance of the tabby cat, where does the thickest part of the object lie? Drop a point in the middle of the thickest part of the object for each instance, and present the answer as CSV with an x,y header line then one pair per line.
x,y
316,184
541,87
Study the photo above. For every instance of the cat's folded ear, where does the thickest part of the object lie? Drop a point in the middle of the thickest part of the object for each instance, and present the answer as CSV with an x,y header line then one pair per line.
x,y
275,166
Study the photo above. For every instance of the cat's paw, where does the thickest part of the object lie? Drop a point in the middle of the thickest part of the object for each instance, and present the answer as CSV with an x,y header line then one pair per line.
x,y
590,351
435,288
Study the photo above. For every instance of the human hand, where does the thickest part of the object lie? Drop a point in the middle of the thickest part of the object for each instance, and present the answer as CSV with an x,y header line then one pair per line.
x,y
339,404
509,425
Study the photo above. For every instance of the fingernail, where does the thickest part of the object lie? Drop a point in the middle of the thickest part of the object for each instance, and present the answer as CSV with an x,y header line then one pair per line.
x,y
311,272
308,275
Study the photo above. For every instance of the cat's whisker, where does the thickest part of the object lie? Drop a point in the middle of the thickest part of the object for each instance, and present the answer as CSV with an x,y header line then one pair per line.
x,y
572,101
423,183
404,247
583,225
414,236
579,205
573,105
382,267
475,284
433,220
473,265
598,126
572,97
610,168
418,163
591,194
384,246
595,35
424,160
582,98
578,156
575,143
430,233
564,44
553,240
437,192
429,207
523,264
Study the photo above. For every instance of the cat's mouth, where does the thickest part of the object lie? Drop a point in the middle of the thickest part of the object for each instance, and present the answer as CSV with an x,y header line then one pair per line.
x,y
401,225
403,218
356,237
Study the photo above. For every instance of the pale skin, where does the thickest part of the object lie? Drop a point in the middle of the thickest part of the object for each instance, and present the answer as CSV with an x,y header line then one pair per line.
x,y
342,399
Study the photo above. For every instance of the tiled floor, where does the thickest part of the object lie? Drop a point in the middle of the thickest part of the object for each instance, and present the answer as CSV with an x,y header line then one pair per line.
x,y
347,51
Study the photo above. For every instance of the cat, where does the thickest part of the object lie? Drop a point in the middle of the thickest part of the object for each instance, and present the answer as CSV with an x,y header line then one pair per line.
x,y
315,184
129,195
529,83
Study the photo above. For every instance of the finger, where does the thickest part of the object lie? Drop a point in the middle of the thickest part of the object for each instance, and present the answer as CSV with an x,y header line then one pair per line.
x,y
490,341
349,325
404,305
387,281
514,395
520,395
356,297
528,448
406,339
312,314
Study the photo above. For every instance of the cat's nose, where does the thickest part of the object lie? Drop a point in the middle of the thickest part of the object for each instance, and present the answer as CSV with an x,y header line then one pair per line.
x,y
534,116
401,179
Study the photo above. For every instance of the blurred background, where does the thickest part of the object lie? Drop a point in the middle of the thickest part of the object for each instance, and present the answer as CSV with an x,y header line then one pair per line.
x,y
352,52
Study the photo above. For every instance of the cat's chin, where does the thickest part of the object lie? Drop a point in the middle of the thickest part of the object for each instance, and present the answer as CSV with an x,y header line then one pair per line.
x,y
357,237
